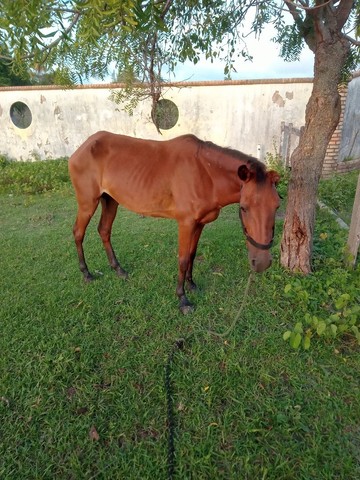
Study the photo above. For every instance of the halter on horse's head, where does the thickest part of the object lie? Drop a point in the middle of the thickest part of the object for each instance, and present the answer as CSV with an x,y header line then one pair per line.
x,y
259,201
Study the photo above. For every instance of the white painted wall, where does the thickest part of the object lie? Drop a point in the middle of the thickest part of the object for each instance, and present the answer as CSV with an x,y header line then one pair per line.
x,y
350,140
239,114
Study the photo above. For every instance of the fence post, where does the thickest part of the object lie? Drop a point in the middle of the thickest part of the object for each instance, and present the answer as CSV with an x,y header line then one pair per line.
x,y
354,232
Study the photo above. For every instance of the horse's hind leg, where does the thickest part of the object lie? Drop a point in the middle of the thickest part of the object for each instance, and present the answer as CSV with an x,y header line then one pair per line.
x,y
109,210
82,221
186,235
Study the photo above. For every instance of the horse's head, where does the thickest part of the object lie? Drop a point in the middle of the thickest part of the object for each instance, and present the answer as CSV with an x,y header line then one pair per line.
x,y
259,201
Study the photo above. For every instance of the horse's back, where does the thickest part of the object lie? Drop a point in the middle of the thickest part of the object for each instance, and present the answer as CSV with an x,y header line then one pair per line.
x,y
102,145
142,175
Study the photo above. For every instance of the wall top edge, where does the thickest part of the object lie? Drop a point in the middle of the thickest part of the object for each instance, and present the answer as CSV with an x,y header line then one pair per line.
x,y
207,83
203,83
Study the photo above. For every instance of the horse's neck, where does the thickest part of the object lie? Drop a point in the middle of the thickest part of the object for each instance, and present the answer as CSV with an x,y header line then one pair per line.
x,y
223,169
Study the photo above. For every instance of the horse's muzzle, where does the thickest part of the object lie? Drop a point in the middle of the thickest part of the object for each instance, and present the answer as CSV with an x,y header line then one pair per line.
x,y
260,262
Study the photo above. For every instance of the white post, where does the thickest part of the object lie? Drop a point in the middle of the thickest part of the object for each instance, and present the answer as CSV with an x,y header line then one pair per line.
x,y
354,232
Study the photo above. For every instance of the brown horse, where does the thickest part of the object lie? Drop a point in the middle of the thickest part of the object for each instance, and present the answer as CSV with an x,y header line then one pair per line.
x,y
185,179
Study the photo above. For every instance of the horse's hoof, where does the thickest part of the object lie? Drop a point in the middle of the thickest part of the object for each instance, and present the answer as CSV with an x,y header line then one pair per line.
x,y
192,287
88,278
186,309
121,273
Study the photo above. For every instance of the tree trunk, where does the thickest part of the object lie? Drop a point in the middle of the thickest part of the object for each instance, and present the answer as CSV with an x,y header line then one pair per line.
x,y
321,118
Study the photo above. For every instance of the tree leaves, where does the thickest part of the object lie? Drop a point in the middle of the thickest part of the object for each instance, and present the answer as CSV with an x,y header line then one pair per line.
x,y
84,38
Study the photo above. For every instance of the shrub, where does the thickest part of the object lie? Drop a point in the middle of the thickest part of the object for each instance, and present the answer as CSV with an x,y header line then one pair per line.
x,y
338,193
4,160
328,300
33,177
275,162
335,312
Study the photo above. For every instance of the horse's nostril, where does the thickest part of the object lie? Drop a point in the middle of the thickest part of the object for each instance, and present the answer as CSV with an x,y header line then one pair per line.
x,y
253,262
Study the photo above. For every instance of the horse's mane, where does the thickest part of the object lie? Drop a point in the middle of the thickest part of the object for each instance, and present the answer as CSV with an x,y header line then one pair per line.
x,y
254,165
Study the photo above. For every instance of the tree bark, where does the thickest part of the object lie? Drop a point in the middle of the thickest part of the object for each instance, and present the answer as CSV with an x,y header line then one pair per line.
x,y
321,118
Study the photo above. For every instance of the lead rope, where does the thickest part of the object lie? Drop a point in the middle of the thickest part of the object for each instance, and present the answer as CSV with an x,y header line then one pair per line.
x,y
234,322
179,345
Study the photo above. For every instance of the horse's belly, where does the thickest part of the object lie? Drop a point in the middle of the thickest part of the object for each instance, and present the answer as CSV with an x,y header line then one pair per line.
x,y
145,202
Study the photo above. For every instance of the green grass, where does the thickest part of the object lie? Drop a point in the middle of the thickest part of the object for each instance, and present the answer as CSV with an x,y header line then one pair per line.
x,y
75,357
338,193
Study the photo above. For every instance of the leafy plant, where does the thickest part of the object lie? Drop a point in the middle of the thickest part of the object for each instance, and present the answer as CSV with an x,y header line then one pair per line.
x,y
4,161
275,162
33,177
328,301
341,315
338,193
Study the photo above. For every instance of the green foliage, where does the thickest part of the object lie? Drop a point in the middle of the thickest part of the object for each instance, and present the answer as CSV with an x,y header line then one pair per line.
x,y
9,78
291,43
328,312
82,38
74,41
275,162
352,63
327,302
338,193
33,177
4,161
128,98
27,76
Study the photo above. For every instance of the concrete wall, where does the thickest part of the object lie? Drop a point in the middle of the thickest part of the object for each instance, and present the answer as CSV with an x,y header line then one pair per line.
x,y
246,115
350,140
255,116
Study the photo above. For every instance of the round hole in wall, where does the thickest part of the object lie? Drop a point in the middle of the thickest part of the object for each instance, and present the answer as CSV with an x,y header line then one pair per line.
x,y
166,114
20,115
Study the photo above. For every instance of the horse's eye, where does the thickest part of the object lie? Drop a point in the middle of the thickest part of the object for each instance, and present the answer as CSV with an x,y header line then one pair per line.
x,y
243,209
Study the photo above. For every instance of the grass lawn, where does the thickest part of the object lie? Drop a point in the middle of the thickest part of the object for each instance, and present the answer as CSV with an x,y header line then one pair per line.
x,y
82,392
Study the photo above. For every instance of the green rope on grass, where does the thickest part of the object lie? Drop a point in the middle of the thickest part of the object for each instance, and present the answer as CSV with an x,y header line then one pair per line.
x,y
241,309
179,345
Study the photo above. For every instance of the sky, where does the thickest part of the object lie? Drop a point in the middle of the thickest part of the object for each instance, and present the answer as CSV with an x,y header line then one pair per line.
x,y
266,64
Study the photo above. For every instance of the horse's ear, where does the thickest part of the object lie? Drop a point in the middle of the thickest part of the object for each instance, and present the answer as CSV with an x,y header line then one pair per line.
x,y
244,173
274,177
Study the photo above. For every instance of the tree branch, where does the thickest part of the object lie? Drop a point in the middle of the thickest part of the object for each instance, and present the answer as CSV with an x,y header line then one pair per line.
x,y
166,8
293,10
64,33
50,46
352,40
305,6
343,12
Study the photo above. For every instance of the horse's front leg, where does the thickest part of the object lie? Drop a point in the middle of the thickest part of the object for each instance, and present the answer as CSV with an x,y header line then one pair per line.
x,y
195,240
186,235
